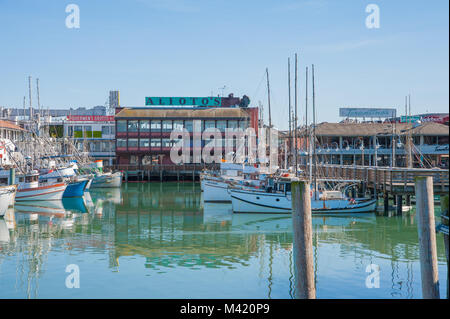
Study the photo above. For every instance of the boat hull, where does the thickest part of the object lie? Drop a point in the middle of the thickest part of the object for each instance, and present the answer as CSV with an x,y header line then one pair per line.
x,y
107,181
75,189
7,196
273,203
216,192
49,192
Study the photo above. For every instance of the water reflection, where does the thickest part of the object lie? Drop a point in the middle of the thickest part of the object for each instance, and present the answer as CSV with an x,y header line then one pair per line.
x,y
164,231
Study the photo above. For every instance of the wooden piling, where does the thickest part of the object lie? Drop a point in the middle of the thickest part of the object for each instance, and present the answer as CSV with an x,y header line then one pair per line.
x,y
386,203
444,213
427,236
302,244
399,201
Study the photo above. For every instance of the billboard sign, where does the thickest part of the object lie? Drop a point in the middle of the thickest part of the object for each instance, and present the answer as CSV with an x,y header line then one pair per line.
x,y
91,118
367,112
182,101
410,119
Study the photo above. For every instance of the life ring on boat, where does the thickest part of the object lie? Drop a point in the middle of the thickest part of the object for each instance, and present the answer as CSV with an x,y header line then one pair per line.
x,y
352,201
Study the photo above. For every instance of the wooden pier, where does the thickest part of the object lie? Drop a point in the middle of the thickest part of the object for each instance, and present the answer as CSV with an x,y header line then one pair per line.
x,y
162,172
397,183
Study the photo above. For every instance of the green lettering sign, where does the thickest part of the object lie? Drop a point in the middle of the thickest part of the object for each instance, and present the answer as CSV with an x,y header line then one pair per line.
x,y
169,101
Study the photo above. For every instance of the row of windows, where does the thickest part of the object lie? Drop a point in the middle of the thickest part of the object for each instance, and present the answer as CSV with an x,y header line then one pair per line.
x,y
96,146
169,125
106,129
158,142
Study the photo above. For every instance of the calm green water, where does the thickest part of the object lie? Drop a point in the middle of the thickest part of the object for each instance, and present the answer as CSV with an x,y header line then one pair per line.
x,y
160,241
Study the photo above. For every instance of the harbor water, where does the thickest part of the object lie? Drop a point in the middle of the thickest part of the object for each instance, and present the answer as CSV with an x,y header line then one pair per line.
x,y
159,240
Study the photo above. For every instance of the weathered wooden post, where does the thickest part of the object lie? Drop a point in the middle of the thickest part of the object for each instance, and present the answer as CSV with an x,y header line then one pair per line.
x,y
302,244
386,203
399,200
427,236
444,216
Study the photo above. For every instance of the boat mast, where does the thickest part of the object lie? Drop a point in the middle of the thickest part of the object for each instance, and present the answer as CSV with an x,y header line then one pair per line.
x,y
308,140
29,94
314,134
268,97
290,111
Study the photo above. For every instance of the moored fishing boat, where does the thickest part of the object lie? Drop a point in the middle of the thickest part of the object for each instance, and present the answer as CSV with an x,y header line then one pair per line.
x,y
276,199
7,196
107,180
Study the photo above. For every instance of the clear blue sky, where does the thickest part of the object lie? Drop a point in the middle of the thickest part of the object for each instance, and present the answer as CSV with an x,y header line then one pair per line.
x,y
194,47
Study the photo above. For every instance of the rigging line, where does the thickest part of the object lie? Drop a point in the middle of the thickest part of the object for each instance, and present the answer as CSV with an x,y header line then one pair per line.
x,y
263,77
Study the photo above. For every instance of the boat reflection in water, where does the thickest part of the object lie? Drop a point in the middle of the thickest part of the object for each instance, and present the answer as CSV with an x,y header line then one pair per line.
x,y
157,241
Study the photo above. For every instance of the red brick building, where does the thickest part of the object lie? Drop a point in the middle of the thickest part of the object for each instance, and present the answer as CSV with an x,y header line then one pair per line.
x,y
143,133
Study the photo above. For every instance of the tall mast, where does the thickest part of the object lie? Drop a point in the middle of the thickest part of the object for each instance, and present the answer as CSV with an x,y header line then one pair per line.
x,y
29,94
38,101
295,119
268,97
314,133
290,118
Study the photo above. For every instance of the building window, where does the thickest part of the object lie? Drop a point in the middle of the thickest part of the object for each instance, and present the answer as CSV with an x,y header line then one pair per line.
x,y
243,125
222,125
167,126
121,142
132,126
155,142
121,126
210,124
132,142
156,125
144,126
232,124
188,125
144,143
105,130
167,142
105,147
70,131
178,126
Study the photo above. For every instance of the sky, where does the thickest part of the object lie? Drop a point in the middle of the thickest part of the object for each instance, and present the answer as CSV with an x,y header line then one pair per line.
x,y
203,47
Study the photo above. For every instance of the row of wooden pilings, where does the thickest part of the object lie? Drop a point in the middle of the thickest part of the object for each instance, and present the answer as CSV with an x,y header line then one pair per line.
x,y
303,243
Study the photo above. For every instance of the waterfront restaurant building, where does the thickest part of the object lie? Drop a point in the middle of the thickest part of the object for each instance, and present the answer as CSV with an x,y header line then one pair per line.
x,y
372,144
143,133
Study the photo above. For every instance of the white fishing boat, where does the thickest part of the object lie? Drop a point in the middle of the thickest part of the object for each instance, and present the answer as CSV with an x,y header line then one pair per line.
x,y
7,196
215,184
107,180
277,199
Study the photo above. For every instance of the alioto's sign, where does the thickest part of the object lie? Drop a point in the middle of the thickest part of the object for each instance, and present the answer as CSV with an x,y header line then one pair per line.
x,y
170,101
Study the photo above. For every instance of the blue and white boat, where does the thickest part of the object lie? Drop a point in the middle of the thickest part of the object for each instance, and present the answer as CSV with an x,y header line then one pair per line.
x,y
76,188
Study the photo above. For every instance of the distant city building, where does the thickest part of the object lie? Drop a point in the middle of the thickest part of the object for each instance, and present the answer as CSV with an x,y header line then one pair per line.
x,y
114,99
